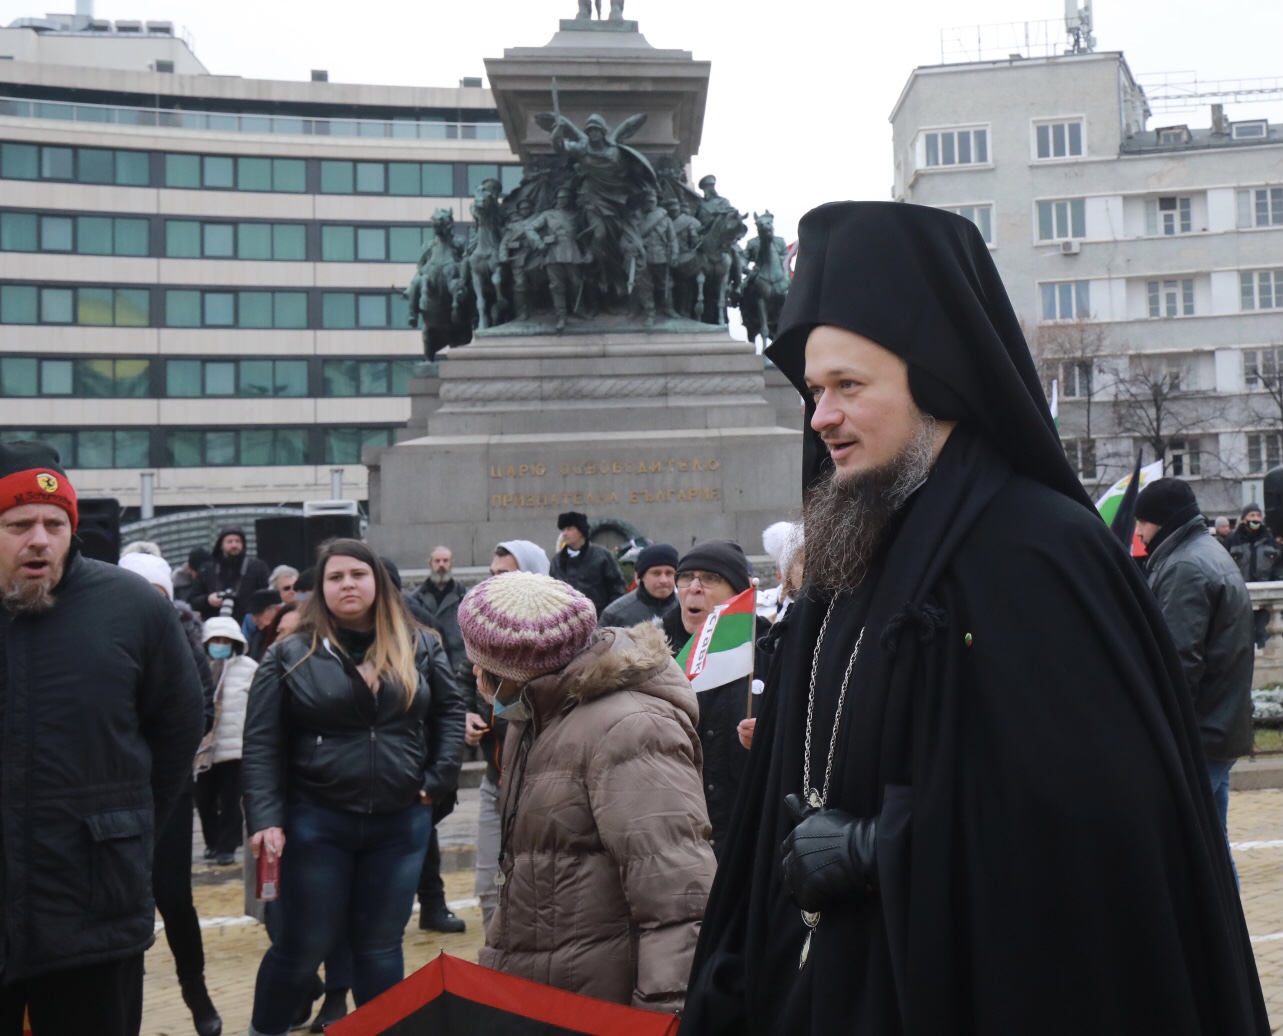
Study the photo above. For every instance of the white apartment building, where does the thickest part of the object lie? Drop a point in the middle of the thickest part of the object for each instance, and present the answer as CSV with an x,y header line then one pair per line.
x,y
1146,261
198,273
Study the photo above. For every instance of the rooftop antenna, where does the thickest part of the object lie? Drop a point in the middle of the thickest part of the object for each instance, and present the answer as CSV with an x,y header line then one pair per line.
x,y
1078,24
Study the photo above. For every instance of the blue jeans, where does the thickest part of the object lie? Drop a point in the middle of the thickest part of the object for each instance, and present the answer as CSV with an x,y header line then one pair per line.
x,y
1218,772
342,875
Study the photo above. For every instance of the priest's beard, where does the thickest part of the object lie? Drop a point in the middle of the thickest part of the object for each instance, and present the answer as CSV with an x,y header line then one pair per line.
x,y
845,520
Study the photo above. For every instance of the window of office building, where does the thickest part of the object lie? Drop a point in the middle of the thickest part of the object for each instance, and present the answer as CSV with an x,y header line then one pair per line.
x,y
344,445
956,147
980,215
367,243
85,235
107,307
367,377
1066,300
341,310
1264,451
1060,139
190,239
1082,456
1261,368
1260,207
1184,459
227,173
92,447
83,378
1062,220
253,378
266,447
1171,298
1260,289
1168,216
1076,379
248,309
80,165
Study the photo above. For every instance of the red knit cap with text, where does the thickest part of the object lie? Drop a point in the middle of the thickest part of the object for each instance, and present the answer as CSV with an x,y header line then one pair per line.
x,y
520,625
30,473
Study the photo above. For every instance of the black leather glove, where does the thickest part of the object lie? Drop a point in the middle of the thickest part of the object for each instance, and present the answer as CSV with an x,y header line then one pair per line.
x,y
829,857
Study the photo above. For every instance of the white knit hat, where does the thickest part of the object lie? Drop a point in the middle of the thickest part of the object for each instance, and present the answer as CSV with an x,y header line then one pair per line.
x,y
155,570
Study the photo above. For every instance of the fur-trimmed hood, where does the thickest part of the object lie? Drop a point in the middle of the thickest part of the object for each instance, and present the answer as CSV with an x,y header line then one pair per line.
x,y
635,659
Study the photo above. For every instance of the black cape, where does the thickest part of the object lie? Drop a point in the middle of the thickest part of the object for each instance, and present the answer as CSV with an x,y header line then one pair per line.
x,y
1049,854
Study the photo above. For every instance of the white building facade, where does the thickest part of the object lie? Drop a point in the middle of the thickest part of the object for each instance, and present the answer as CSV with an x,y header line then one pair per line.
x,y
199,274
1146,263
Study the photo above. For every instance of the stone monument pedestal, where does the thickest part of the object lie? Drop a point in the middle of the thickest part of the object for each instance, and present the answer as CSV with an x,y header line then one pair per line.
x,y
669,433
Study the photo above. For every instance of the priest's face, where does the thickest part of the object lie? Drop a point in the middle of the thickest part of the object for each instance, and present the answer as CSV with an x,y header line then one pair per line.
x,y
864,411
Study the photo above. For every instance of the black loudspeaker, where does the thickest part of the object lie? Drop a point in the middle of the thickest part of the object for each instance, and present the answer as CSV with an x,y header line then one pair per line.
x,y
1274,500
280,541
321,527
99,528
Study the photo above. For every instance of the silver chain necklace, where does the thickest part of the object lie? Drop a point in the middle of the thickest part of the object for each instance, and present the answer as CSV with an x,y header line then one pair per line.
x,y
818,799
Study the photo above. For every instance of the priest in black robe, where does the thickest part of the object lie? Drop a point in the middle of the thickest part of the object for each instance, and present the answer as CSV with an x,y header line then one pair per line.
x,y
976,801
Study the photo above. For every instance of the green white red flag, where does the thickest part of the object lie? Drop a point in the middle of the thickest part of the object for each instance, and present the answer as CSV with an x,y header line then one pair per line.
x,y
721,650
1107,505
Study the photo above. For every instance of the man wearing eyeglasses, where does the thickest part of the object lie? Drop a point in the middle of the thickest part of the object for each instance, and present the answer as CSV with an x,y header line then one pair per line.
x,y
709,574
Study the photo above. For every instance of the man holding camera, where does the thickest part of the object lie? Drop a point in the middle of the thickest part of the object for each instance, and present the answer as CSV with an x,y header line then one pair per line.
x,y
230,574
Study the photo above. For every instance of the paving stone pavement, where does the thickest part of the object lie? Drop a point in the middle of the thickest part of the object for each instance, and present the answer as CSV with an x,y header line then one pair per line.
x,y
233,951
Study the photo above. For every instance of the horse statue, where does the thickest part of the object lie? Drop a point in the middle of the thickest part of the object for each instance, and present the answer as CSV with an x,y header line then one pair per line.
x,y
767,283
481,260
717,267
437,292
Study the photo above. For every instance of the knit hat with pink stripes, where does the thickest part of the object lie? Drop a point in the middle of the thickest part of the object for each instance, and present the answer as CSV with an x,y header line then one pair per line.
x,y
520,625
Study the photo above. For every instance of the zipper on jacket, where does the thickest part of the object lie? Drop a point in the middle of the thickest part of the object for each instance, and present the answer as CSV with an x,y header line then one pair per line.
x,y
373,767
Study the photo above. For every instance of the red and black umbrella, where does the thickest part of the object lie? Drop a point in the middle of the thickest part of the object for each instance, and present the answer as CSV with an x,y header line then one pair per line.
x,y
452,997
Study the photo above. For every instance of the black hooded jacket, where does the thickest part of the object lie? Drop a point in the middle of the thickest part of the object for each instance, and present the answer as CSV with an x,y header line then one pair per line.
x,y
1048,853
242,575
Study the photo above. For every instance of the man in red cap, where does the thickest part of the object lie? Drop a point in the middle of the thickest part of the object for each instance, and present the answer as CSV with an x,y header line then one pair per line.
x,y
100,716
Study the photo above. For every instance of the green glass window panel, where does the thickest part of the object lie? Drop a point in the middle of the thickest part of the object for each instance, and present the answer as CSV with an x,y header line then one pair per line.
x,y
340,377
403,178
289,174
290,378
438,180
19,376
63,442
133,448
374,378
94,235
55,163
56,305
93,113
342,446
133,307
18,232
478,172
373,438
56,233
133,377
95,165
370,178
256,446
218,240
182,378
97,379
219,171
53,110
182,170
57,377
131,237
94,448
289,241
337,177
372,244
404,244
372,311
220,378
18,304
398,311
510,177
255,309
182,239
182,309
338,244
289,309
290,446
256,378
338,309
186,449
220,448
20,161
93,307
402,371
254,174
220,309
254,241
133,169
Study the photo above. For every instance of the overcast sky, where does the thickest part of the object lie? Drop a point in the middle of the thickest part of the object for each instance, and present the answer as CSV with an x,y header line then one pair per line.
x,y
801,89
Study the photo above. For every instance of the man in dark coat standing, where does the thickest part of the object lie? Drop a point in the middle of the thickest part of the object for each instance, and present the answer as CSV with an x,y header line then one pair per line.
x,y
1209,613
229,572
1259,558
100,715
655,595
589,567
976,801
437,599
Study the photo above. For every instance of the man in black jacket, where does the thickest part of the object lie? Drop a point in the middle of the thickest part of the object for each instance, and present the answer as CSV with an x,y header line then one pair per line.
x,y
1257,554
101,715
1209,613
588,567
437,598
229,572
654,597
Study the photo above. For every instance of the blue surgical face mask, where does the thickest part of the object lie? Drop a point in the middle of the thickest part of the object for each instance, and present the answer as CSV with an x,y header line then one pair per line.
x,y
516,711
220,651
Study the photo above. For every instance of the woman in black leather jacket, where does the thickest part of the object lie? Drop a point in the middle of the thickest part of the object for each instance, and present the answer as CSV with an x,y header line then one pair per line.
x,y
344,761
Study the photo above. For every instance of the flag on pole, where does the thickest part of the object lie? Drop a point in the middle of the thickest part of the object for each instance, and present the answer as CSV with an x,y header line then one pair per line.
x,y
721,650
1055,403
1108,504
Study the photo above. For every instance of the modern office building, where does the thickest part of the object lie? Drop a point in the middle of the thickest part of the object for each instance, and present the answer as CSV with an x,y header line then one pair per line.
x,y
199,273
1144,257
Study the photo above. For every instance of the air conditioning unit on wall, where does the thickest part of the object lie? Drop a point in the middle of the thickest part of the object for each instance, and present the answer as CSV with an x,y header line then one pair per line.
x,y
1070,247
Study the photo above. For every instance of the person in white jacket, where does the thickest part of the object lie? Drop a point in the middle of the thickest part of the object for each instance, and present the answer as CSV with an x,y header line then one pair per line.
x,y
218,764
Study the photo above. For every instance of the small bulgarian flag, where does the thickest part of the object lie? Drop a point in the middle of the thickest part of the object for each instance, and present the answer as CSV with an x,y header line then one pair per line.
x,y
1107,505
722,649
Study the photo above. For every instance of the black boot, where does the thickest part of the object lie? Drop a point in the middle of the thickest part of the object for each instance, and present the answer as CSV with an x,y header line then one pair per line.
x,y
204,1017
334,1008
304,1011
438,918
